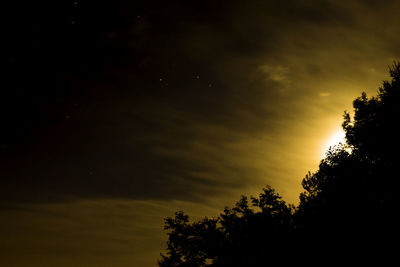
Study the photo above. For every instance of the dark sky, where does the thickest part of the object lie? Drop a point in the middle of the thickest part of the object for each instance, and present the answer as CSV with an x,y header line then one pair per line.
x,y
117,113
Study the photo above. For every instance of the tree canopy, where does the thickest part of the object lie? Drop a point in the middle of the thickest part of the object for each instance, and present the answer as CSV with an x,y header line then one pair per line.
x,y
348,206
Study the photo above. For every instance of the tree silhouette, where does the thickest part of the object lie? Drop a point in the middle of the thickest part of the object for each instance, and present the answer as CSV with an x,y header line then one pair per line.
x,y
238,237
352,196
349,204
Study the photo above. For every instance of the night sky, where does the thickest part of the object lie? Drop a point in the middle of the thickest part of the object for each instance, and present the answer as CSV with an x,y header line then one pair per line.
x,y
115,114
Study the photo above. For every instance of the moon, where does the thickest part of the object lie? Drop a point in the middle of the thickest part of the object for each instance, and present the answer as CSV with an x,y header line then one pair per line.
x,y
335,138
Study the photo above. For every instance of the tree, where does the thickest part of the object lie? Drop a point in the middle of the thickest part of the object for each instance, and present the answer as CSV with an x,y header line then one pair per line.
x,y
190,244
353,195
238,237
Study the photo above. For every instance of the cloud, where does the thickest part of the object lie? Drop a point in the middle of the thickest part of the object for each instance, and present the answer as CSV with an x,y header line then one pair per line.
x,y
100,232
324,94
276,73
272,67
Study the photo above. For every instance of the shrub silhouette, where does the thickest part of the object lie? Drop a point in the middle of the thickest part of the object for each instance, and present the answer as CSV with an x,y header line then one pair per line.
x,y
348,206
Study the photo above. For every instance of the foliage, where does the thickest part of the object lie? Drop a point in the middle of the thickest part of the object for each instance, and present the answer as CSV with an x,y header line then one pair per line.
x,y
238,237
